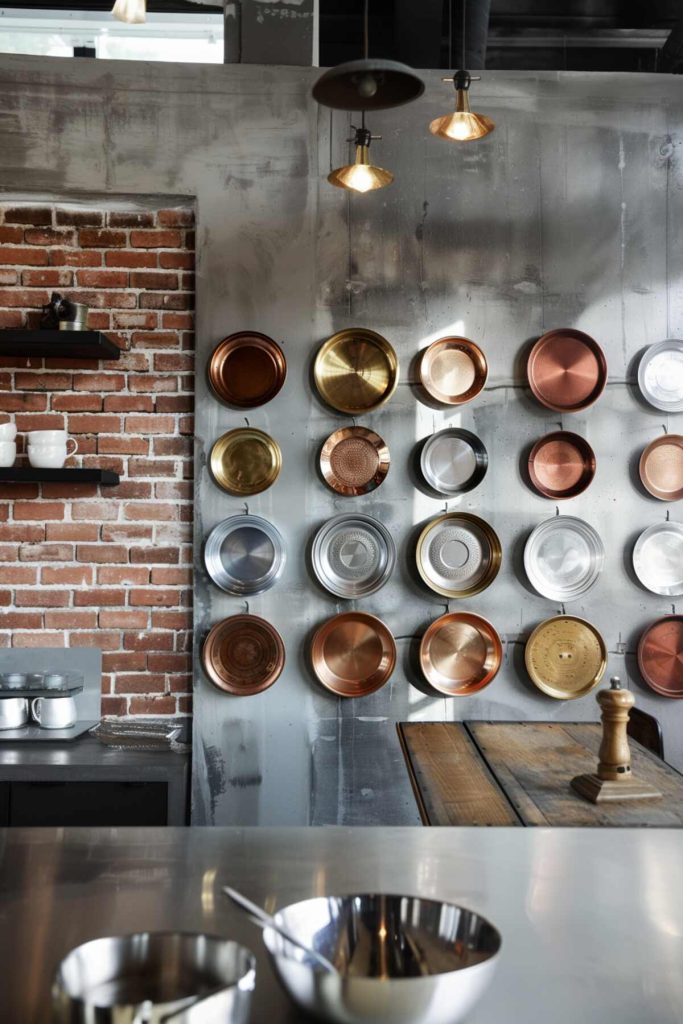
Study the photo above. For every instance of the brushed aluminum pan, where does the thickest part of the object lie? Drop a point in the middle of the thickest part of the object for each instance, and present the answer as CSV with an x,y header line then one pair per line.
x,y
563,558
453,461
660,656
244,555
658,559
353,555
660,375
458,554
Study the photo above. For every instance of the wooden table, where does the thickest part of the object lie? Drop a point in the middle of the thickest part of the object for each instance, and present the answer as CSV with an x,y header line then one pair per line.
x,y
518,773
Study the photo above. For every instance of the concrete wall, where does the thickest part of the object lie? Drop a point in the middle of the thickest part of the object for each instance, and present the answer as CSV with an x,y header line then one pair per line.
x,y
568,214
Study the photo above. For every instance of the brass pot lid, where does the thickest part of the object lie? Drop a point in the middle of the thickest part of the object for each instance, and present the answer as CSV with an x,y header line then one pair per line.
x,y
356,371
565,657
353,654
453,370
245,461
458,554
354,460
247,369
460,654
567,370
661,468
561,465
243,655
660,656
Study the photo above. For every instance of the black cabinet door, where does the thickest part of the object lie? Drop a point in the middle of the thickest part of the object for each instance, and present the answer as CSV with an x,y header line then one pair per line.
x,y
87,803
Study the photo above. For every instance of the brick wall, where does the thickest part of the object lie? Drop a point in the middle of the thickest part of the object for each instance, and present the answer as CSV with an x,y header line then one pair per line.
x,y
105,567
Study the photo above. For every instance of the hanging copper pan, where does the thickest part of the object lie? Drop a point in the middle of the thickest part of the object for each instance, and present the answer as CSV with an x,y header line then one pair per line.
x,y
661,468
353,654
245,461
354,460
660,656
567,370
460,653
356,371
247,369
243,655
453,370
561,465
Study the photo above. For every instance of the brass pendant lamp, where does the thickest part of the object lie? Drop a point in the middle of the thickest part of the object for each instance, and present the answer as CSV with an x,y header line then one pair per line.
x,y
463,125
361,175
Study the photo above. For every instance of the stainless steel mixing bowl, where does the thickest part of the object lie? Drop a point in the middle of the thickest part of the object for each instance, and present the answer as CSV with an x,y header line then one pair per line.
x,y
401,959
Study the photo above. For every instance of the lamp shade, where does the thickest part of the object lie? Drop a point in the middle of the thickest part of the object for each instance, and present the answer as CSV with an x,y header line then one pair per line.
x,y
368,84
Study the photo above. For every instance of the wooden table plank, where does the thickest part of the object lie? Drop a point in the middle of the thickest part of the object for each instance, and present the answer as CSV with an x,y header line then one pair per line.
x,y
451,782
534,763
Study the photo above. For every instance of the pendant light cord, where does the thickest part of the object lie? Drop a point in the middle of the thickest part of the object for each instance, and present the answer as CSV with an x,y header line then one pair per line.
x,y
366,29
464,22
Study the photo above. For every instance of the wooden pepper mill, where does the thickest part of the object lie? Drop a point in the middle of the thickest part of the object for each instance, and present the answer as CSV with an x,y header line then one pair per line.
x,y
614,780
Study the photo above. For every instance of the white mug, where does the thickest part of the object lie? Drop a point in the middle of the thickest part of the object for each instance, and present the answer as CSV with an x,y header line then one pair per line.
x,y
54,712
47,437
8,431
8,453
50,456
13,712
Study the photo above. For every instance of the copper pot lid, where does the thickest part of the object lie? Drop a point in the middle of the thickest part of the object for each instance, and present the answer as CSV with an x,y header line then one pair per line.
x,y
354,460
567,370
460,653
661,468
561,465
353,654
245,461
243,655
660,656
356,371
453,370
247,369
458,554
565,657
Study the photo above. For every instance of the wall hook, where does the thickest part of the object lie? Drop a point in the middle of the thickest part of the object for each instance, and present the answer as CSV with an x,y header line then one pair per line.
x,y
665,428
557,510
668,514
673,609
246,421
246,509
246,607
564,610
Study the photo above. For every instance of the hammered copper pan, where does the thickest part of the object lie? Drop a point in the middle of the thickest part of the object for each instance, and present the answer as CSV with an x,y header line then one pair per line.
x,y
453,370
353,654
243,655
561,465
247,369
567,370
660,656
661,468
460,653
354,461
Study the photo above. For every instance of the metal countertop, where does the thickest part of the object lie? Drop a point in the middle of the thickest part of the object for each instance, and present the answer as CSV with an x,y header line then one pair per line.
x,y
592,920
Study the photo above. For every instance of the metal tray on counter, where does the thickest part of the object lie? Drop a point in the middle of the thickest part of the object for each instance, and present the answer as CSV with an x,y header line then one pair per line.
x,y
34,684
124,735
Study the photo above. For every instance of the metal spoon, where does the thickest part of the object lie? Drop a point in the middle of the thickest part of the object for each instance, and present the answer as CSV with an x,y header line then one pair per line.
x,y
264,920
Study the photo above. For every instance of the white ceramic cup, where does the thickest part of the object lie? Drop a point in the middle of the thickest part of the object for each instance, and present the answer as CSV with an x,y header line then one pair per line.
x,y
53,456
8,453
54,712
8,431
13,712
47,437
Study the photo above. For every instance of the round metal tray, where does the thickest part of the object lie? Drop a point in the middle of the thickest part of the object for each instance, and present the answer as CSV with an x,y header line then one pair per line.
x,y
453,461
453,370
244,555
660,375
247,369
567,370
353,654
460,654
458,554
661,468
354,460
245,461
660,656
356,371
563,558
353,555
561,465
565,657
658,559
243,655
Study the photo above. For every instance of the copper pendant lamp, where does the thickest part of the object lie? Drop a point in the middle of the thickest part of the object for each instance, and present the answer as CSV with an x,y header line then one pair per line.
x,y
463,125
361,175
368,84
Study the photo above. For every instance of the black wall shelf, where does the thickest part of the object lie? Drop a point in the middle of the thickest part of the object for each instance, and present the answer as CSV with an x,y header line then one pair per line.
x,y
28,474
58,344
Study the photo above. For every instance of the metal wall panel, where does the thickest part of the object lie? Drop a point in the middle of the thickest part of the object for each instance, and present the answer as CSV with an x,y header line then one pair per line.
x,y
568,214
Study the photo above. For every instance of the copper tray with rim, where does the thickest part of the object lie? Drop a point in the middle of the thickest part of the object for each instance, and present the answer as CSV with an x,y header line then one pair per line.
x,y
460,654
247,369
243,655
660,656
453,370
353,654
245,461
354,460
567,370
561,465
356,371
565,657
661,468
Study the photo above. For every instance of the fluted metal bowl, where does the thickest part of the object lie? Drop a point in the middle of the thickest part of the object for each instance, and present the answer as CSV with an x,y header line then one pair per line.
x,y
400,959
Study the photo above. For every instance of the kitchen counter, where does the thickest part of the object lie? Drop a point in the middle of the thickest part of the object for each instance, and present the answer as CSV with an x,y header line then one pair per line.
x,y
592,920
